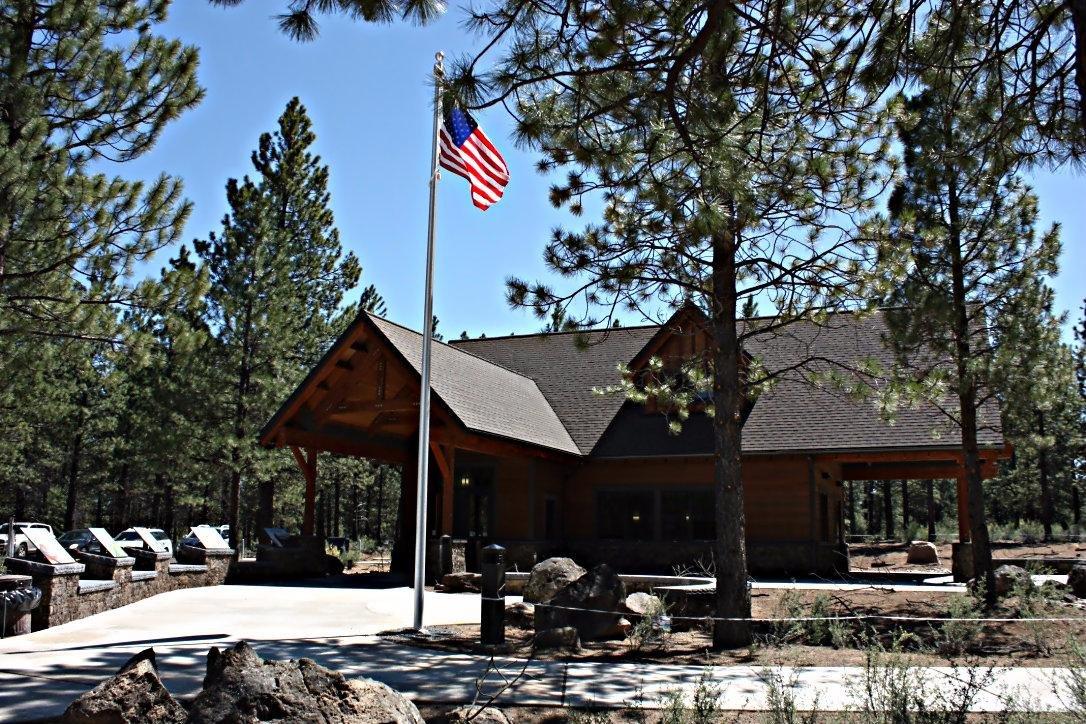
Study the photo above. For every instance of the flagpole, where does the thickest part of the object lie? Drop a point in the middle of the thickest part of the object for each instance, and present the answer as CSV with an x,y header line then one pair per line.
x,y
427,337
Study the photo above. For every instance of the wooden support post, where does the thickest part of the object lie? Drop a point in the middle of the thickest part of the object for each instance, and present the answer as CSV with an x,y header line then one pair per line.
x,y
963,509
446,460
308,463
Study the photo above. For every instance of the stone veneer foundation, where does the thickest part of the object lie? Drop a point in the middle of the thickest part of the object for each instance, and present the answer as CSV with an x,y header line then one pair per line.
x,y
100,583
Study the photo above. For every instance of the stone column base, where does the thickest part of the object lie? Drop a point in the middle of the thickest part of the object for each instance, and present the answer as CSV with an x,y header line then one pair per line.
x,y
962,562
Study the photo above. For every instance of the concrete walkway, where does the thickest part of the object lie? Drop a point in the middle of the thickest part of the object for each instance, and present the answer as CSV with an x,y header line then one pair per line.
x,y
42,672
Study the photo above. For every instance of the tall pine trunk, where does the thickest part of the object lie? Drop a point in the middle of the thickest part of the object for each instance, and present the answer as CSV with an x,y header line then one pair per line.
x,y
120,501
888,507
71,508
852,507
335,506
380,536
240,412
1047,513
929,493
732,593
967,401
904,507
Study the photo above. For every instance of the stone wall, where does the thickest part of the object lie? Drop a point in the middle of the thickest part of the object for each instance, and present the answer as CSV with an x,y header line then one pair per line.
x,y
99,583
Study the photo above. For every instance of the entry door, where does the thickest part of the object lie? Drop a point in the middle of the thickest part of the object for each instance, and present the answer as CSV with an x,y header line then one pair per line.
x,y
473,503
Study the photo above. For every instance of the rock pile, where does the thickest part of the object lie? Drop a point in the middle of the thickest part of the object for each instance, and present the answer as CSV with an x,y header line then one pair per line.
x,y
241,687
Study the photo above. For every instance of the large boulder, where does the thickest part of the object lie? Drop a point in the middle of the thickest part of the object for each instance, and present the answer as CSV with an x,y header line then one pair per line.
x,y
591,604
1008,577
549,577
1076,580
643,604
922,553
133,696
242,687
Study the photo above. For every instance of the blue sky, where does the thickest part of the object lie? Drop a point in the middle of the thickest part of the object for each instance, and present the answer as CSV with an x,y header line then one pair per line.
x,y
366,90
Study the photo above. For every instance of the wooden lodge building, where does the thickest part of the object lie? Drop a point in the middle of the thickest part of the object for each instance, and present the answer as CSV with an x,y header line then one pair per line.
x,y
524,452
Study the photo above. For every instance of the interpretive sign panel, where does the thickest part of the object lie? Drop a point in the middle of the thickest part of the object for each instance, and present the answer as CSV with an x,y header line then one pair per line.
x,y
209,538
110,547
44,541
159,546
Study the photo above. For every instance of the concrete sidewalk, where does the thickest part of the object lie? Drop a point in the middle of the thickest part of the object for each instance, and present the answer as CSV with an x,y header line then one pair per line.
x,y
42,672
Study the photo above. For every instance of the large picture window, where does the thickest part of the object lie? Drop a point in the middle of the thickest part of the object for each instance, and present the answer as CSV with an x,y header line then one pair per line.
x,y
686,515
626,514
655,514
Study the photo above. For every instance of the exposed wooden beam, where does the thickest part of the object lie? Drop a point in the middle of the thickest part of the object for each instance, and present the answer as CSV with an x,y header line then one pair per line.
x,y
308,464
325,407
443,465
906,471
393,405
496,446
899,456
339,446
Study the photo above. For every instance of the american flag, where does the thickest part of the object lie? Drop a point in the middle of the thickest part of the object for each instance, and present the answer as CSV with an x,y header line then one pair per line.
x,y
467,152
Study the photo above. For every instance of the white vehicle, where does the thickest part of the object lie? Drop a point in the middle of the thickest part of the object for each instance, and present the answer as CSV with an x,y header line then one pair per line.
x,y
23,546
129,538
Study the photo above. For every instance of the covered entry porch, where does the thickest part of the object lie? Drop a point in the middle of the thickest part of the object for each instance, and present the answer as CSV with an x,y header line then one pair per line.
x,y
362,400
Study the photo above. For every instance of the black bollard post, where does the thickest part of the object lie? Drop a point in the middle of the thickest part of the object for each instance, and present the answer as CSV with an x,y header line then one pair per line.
x,y
492,628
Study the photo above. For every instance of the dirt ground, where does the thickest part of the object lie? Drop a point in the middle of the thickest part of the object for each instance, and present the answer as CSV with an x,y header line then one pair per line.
x,y
373,563
1019,643
891,556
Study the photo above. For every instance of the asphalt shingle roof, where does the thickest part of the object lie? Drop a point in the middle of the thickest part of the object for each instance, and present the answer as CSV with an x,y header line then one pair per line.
x,y
793,416
566,372
486,396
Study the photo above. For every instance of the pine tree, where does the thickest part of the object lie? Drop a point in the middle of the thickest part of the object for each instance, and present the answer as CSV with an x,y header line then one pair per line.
x,y
730,148
83,82
299,20
278,275
967,221
1042,410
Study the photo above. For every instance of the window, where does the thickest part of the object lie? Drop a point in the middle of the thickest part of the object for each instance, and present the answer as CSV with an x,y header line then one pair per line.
x,y
686,515
625,514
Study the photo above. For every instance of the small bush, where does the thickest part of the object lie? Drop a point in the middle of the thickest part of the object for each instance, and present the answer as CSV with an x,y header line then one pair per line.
x,y
652,628
704,707
781,700
1073,680
1031,532
349,559
957,636
891,692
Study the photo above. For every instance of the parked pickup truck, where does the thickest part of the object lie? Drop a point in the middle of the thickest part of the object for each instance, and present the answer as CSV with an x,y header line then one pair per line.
x,y
23,546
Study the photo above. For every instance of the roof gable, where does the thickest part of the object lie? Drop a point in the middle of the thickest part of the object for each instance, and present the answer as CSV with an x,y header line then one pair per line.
x,y
567,366
485,396
482,396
